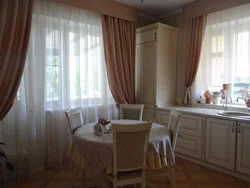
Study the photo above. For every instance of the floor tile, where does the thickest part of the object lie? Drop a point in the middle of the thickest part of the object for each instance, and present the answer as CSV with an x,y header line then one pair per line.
x,y
188,175
200,177
206,186
180,177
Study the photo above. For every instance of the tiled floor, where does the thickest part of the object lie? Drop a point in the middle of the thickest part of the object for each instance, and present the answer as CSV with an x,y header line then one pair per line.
x,y
188,175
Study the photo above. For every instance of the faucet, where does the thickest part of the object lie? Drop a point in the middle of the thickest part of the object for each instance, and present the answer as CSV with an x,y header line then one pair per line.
x,y
237,100
226,97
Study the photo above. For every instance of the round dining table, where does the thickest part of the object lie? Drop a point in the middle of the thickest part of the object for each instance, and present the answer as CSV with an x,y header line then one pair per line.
x,y
94,153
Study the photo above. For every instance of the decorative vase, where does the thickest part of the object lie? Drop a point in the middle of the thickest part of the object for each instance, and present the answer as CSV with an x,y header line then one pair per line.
x,y
216,100
98,130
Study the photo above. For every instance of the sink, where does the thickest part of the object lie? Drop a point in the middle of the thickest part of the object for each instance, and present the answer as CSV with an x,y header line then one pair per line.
x,y
233,113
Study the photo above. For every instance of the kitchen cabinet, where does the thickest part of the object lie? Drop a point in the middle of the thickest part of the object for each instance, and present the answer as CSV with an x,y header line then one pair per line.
x,y
189,140
149,115
218,142
156,57
243,148
221,142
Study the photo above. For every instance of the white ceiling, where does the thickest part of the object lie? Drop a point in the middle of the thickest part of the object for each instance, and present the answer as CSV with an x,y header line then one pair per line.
x,y
156,8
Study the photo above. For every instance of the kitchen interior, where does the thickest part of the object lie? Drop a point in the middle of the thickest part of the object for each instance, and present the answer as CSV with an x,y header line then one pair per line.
x,y
215,123
191,56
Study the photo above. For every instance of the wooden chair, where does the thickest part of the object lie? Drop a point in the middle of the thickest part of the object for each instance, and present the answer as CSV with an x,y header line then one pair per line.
x,y
173,126
131,111
75,120
129,155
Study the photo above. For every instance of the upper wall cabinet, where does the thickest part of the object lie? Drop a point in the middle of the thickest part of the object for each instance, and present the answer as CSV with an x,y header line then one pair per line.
x,y
156,57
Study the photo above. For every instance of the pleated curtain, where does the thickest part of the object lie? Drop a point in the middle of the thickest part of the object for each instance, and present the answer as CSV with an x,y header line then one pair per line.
x,y
119,42
15,25
194,35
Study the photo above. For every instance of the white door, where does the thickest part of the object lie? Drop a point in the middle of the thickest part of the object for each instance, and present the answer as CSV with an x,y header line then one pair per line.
x,y
221,142
243,148
145,74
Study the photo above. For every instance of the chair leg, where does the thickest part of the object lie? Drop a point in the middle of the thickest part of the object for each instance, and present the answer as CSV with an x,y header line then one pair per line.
x,y
143,184
72,173
172,177
114,183
84,177
169,174
102,180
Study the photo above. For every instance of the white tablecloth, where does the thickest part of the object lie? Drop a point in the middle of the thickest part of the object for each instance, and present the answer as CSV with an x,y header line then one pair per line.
x,y
97,150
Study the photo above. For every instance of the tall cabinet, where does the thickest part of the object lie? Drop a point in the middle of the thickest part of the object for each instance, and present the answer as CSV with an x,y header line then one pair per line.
x,y
156,59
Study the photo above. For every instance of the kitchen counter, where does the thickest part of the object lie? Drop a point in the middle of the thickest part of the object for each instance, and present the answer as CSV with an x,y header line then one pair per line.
x,y
204,112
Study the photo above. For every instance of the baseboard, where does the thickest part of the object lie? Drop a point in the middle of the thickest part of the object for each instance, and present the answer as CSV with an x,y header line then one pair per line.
x,y
214,167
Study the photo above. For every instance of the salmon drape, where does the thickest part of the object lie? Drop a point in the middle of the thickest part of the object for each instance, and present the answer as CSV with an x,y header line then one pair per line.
x,y
15,26
195,32
119,43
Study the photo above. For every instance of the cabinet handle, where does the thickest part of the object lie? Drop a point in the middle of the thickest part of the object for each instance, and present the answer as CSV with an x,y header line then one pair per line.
x,y
233,128
155,36
239,128
179,135
154,114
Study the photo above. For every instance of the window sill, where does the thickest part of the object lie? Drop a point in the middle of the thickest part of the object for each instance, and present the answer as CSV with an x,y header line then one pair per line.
x,y
231,107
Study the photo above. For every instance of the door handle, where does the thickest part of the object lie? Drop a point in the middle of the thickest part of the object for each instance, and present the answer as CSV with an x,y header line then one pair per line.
x,y
239,128
233,128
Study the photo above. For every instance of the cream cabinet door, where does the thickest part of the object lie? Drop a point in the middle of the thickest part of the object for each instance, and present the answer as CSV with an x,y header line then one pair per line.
x,y
146,36
221,142
243,148
145,74
189,145
149,115
189,140
189,124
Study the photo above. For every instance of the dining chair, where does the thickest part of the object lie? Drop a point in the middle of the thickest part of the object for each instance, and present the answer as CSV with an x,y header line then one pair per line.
x,y
75,121
74,117
130,145
131,111
173,127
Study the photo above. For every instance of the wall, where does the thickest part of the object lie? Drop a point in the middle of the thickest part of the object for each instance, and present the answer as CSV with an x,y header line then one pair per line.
x,y
194,9
107,7
144,20
202,7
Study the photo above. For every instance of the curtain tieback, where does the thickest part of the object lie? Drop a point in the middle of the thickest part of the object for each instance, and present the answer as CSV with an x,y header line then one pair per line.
x,y
187,95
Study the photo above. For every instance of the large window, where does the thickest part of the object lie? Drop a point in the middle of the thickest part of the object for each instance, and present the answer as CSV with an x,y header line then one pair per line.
x,y
65,63
225,56
83,63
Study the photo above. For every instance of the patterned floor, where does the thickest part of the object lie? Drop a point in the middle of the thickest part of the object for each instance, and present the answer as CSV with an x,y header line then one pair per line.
x,y
188,175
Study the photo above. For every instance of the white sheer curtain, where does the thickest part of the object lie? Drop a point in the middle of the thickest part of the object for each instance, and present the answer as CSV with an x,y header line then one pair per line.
x,y
225,54
65,69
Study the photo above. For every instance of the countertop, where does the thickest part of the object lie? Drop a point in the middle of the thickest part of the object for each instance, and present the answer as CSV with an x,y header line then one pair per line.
x,y
208,112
